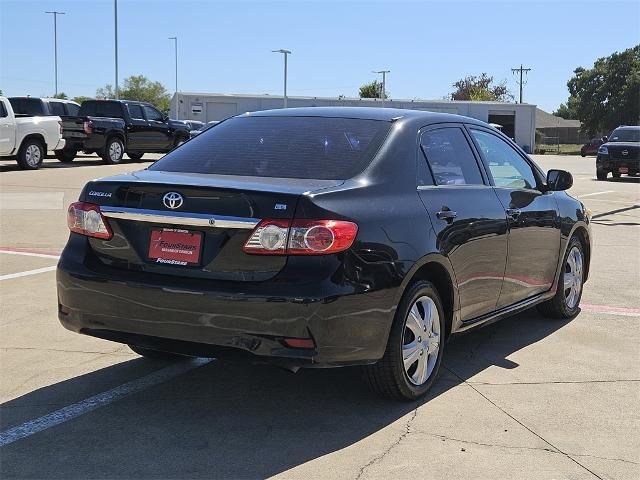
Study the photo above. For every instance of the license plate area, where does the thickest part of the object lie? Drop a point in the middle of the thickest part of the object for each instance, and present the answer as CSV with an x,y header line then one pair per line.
x,y
623,170
170,246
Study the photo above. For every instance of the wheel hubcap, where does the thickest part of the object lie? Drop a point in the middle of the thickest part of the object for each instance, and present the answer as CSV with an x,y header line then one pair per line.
x,y
573,277
33,155
115,150
419,351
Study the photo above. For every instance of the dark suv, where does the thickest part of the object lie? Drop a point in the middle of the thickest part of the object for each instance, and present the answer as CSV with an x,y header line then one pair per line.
x,y
620,153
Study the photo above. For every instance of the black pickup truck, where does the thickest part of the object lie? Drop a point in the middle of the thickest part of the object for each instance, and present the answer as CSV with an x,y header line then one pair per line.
x,y
114,127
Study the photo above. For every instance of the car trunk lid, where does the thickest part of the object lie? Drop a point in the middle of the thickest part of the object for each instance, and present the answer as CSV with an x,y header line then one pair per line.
x,y
192,225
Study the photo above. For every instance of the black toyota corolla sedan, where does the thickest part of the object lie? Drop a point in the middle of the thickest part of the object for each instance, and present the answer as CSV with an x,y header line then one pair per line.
x,y
322,237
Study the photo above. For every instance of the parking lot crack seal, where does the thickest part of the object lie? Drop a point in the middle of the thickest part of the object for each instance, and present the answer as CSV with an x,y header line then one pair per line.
x,y
402,436
568,456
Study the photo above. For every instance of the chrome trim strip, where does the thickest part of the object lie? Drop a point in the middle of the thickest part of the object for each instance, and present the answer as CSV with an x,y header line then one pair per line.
x,y
178,218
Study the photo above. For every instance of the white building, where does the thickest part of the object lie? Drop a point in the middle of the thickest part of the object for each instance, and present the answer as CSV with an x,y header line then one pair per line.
x,y
517,120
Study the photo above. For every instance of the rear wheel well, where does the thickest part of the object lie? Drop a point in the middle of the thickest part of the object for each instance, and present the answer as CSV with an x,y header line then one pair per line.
x,y
34,136
582,235
437,274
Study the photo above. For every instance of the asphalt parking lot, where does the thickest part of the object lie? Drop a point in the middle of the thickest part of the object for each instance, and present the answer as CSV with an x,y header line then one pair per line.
x,y
524,398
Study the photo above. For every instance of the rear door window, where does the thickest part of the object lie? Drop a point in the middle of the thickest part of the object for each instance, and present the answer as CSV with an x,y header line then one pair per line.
x,y
72,109
287,147
135,111
450,157
56,108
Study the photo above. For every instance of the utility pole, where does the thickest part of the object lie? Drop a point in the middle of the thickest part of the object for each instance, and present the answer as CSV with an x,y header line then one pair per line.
x,y
522,82
55,45
115,14
175,44
383,93
285,53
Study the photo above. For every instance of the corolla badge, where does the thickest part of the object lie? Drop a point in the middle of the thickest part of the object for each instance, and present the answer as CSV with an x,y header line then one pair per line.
x,y
172,200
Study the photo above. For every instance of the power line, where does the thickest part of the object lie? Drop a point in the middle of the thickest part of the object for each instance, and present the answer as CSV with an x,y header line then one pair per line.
x,y
522,81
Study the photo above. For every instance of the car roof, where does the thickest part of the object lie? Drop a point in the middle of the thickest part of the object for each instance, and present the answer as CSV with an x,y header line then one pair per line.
x,y
628,127
364,113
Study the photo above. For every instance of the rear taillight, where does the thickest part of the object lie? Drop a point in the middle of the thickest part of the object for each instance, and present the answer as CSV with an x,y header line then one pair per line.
x,y
86,219
61,128
87,126
301,237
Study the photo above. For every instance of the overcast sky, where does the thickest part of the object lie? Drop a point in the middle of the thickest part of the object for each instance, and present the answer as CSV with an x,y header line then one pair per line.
x,y
226,46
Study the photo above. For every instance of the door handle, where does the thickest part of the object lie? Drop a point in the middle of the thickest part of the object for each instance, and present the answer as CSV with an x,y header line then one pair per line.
x,y
446,214
513,212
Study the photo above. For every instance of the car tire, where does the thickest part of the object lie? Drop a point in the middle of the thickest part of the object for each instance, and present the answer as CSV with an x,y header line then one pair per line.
x,y
583,153
616,174
155,354
566,302
136,157
113,151
31,154
419,313
601,174
65,155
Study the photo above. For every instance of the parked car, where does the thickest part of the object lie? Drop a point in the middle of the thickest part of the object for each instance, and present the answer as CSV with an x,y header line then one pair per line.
x,y
34,106
28,138
204,127
321,237
620,153
112,128
591,147
194,124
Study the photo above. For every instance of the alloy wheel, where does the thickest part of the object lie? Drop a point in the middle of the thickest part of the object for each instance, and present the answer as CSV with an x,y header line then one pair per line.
x,y
115,151
421,340
573,277
33,155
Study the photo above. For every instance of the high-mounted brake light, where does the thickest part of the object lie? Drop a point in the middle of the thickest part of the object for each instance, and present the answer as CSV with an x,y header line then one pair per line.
x,y
86,219
301,237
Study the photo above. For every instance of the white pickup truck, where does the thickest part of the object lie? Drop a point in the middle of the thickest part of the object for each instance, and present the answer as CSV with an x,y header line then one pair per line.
x,y
27,139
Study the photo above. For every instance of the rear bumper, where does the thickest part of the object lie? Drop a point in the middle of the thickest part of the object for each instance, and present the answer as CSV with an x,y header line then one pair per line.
x,y
348,326
60,145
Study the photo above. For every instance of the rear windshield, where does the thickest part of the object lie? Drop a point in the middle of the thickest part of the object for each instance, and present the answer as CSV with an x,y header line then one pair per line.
x,y
287,147
26,106
92,108
625,135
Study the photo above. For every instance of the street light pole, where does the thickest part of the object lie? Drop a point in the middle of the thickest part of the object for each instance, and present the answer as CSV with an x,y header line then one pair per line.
x,y
55,45
175,44
384,84
285,53
115,14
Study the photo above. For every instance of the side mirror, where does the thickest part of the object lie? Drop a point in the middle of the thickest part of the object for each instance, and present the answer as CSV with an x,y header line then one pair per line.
x,y
559,180
605,139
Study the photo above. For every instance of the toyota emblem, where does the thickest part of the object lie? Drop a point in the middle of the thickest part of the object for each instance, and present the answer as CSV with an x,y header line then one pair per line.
x,y
625,152
172,200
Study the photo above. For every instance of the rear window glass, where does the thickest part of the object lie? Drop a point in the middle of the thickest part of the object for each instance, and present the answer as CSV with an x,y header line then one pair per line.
x,y
72,109
26,106
101,109
287,147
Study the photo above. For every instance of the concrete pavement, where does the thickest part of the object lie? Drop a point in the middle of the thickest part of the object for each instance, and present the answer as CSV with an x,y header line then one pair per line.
x,y
524,398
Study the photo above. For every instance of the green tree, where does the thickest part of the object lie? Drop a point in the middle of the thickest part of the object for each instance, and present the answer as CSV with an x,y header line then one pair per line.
x,y
608,94
61,96
139,87
372,90
480,88
567,110
81,99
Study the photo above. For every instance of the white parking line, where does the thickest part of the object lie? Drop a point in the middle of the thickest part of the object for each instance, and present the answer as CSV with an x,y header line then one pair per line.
x,y
28,254
100,400
27,273
595,193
